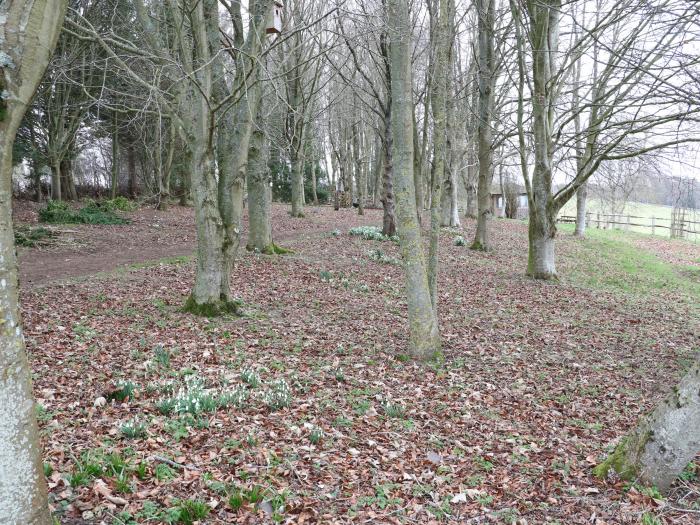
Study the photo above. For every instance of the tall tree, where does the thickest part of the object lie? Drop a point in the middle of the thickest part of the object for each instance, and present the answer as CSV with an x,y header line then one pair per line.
x,y
636,102
442,36
424,340
28,33
486,79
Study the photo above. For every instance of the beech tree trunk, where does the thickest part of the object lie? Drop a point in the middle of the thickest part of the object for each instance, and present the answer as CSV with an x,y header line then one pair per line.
x,y
115,158
581,197
28,34
56,181
665,441
259,196
542,209
438,100
424,340
485,11
68,183
389,217
207,297
131,167
541,233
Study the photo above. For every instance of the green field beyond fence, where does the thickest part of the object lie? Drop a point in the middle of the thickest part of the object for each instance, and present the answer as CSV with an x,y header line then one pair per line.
x,y
639,217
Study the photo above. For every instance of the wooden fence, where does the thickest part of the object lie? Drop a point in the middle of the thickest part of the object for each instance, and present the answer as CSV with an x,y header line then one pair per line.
x,y
681,228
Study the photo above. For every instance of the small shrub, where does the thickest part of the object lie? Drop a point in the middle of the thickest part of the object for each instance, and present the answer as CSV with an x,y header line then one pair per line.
x,y
236,500
162,356
316,436
460,241
236,397
278,396
188,511
119,203
123,390
394,410
166,406
133,429
59,212
163,472
371,233
251,377
336,233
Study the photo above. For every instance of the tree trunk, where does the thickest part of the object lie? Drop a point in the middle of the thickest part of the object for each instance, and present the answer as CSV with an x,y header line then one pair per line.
x,y
36,176
581,196
472,208
664,442
297,183
542,210
314,194
56,193
115,157
438,99
28,33
259,197
417,172
541,233
389,218
207,297
485,10
131,166
424,341
378,169
68,182
359,171
22,485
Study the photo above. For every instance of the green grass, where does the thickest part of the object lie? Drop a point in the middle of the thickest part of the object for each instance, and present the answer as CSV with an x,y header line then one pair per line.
x,y
637,209
609,259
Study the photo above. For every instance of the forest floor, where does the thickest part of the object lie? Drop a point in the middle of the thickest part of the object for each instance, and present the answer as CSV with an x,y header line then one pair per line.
x,y
307,410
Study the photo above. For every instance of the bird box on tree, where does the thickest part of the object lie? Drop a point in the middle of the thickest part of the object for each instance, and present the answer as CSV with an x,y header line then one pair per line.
x,y
275,21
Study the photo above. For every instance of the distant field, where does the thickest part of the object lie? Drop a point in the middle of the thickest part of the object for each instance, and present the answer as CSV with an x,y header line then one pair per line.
x,y
644,214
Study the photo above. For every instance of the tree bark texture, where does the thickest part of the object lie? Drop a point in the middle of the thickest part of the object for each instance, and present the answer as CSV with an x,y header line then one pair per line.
x,y
424,339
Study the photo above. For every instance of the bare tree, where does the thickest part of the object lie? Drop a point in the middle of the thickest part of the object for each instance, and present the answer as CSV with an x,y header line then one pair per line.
x,y
636,103
424,335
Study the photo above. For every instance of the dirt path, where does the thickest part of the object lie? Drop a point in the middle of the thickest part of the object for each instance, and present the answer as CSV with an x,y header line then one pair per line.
x,y
84,250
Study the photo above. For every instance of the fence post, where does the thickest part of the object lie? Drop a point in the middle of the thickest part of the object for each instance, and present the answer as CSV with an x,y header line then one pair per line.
x,y
597,222
653,225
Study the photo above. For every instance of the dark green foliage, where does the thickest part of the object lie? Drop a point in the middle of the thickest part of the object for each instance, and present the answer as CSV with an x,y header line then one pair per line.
x,y
119,203
58,212
31,237
282,188
214,309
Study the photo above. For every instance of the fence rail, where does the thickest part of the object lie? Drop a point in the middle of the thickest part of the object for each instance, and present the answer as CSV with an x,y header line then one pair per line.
x,y
677,228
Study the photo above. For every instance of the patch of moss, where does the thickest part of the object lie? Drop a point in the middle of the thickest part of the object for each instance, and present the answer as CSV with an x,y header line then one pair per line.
x,y
273,249
477,246
270,249
212,309
623,459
